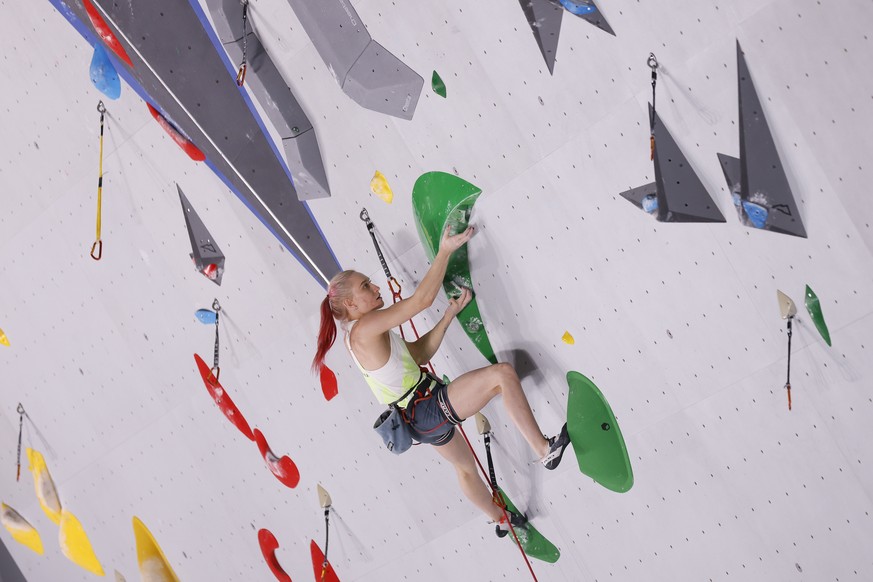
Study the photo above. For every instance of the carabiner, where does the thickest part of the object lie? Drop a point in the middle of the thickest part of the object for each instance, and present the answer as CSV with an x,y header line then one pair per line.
x,y
365,216
98,246
101,108
241,75
652,61
216,307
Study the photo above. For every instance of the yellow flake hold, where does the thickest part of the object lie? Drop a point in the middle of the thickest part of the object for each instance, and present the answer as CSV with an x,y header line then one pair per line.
x,y
153,564
3,339
567,338
45,487
76,546
379,186
21,530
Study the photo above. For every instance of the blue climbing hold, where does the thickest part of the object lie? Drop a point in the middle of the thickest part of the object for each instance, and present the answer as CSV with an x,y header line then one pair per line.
x,y
579,7
650,203
757,214
206,316
103,74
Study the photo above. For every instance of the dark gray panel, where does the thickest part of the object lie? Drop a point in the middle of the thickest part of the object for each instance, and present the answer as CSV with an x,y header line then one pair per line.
x,y
544,19
381,82
635,195
204,249
282,108
9,570
336,31
171,38
730,167
763,181
681,195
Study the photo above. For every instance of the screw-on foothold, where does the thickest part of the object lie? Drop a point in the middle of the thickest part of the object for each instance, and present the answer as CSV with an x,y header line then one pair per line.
x,y
605,426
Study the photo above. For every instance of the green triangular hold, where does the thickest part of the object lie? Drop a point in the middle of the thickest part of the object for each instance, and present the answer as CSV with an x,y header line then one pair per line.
x,y
440,199
437,84
532,541
813,306
596,437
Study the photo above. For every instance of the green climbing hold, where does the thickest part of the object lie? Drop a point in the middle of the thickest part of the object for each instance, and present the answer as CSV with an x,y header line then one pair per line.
x,y
596,437
440,199
437,84
813,306
532,541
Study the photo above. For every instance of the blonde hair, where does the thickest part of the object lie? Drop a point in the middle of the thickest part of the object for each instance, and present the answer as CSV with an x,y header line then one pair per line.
x,y
338,290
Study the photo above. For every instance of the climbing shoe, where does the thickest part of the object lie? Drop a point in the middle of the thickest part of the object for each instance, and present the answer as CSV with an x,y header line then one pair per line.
x,y
557,445
518,522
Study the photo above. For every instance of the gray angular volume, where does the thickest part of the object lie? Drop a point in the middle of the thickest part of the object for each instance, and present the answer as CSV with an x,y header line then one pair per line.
x,y
592,13
369,74
681,196
205,251
272,92
767,201
544,19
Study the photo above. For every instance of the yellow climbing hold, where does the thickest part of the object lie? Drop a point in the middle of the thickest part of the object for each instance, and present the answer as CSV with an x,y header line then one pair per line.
x,y
3,339
379,186
153,564
21,530
567,338
75,544
45,487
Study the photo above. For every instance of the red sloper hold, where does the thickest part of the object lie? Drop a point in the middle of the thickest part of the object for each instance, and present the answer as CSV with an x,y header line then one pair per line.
x,y
328,383
321,574
222,399
284,469
183,142
104,32
269,545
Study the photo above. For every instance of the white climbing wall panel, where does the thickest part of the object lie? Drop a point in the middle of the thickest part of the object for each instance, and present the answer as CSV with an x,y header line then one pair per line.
x,y
676,323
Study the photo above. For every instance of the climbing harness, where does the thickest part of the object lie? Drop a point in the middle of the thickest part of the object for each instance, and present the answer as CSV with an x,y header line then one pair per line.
x,y
653,64
241,74
495,494
20,430
216,370
392,282
98,244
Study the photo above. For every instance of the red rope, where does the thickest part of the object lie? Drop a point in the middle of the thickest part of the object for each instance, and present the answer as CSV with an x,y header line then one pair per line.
x,y
495,494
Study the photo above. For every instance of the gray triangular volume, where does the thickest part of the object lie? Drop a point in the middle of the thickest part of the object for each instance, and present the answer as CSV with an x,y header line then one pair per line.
x,y
764,186
636,195
207,257
595,16
681,195
730,167
544,19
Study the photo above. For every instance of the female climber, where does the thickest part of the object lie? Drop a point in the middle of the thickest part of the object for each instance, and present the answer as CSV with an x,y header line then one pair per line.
x,y
393,369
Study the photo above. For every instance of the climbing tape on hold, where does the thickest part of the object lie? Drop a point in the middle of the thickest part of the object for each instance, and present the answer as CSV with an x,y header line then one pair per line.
x,y
20,430
216,370
653,64
97,247
241,74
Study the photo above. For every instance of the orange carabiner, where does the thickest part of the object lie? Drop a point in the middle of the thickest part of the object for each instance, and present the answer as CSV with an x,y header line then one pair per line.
x,y
241,75
98,246
215,372
395,295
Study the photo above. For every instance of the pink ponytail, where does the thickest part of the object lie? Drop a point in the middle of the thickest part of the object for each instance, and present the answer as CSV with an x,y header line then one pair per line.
x,y
326,336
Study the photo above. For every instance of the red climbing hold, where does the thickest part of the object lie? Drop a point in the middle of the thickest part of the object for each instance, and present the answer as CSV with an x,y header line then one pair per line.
x,y
328,383
269,545
322,574
104,32
222,399
284,469
183,142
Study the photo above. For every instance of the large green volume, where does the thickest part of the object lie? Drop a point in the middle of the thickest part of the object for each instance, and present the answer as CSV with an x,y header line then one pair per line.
x,y
597,441
440,199
532,541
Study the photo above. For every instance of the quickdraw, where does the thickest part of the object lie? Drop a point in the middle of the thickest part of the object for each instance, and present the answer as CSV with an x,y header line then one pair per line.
x,y
97,247
21,414
653,64
241,74
495,493
216,370
326,541
788,378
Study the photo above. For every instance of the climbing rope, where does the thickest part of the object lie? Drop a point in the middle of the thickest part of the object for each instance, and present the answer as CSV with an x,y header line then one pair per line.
x,y
326,541
495,494
98,244
241,74
216,370
20,430
788,378
653,64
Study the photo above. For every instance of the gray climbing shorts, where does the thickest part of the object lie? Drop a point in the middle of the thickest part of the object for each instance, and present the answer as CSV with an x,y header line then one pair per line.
x,y
430,415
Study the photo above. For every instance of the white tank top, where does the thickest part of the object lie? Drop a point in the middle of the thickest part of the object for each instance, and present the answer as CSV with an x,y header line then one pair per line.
x,y
399,374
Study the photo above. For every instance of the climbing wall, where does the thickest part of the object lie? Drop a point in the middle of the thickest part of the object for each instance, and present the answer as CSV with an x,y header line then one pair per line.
x,y
677,324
